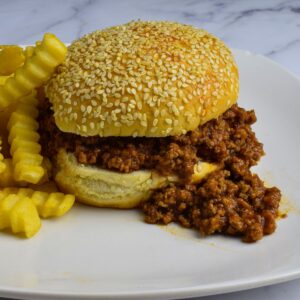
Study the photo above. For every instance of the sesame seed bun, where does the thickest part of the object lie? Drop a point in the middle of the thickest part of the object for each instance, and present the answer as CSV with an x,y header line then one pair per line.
x,y
151,79
104,188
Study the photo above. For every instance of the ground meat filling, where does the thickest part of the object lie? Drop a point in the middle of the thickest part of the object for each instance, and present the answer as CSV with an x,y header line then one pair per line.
x,y
231,201
220,204
222,140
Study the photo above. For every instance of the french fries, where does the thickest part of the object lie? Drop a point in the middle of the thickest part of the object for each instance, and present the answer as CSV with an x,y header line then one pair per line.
x,y
21,209
7,175
28,52
26,190
2,164
35,71
23,138
11,58
19,214
49,205
3,79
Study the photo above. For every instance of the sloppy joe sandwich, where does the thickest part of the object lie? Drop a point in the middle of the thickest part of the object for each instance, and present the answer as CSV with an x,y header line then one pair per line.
x,y
145,115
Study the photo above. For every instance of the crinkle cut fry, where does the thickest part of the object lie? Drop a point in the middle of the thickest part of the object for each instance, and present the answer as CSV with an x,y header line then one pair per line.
x,y
19,213
7,176
2,164
36,70
11,58
48,204
23,138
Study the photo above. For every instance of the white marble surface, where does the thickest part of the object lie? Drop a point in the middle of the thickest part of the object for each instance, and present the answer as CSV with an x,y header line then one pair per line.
x,y
268,27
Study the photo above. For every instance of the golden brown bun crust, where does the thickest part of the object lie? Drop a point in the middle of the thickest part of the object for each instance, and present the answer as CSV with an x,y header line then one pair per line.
x,y
150,79
104,188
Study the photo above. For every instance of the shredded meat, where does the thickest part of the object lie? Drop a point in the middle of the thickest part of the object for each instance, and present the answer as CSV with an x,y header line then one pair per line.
x,y
231,200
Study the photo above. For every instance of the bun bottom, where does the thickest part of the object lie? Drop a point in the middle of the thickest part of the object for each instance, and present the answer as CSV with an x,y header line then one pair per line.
x,y
103,188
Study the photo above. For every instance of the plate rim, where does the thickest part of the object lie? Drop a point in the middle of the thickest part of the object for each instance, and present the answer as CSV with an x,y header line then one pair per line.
x,y
186,292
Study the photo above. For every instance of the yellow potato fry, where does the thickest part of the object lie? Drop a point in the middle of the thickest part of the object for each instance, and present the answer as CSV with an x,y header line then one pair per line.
x,y
11,58
25,145
28,173
15,191
26,133
29,51
3,79
4,46
36,70
38,44
52,205
23,138
47,204
19,213
22,121
27,158
7,176
6,205
30,99
4,118
9,117
2,164
24,218
28,110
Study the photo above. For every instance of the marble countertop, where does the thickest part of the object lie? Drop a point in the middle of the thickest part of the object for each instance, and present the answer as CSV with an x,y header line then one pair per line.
x,y
268,27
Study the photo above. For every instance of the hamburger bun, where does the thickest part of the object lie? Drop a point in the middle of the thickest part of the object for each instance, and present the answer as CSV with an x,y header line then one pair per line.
x,y
104,188
146,79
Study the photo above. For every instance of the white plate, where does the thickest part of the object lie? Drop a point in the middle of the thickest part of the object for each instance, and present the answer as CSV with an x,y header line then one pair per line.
x,y
100,253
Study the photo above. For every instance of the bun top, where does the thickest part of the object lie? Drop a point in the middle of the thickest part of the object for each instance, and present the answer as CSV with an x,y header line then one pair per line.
x,y
150,79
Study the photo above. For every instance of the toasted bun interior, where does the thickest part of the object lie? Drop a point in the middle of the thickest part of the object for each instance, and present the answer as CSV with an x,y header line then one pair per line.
x,y
104,188
151,79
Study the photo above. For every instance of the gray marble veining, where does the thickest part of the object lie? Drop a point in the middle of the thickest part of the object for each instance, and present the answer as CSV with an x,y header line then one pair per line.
x,y
268,27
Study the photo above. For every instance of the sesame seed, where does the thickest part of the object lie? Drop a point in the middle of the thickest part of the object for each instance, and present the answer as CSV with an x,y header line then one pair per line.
x,y
168,130
89,109
139,105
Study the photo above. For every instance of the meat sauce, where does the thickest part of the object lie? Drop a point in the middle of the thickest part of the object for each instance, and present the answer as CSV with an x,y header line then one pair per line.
x,y
231,200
